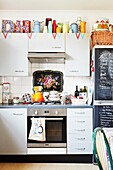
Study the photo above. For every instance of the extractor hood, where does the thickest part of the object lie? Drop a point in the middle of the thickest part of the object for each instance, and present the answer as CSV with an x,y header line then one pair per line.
x,y
47,57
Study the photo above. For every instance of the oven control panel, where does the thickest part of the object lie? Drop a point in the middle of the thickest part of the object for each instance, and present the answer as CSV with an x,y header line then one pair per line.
x,y
47,112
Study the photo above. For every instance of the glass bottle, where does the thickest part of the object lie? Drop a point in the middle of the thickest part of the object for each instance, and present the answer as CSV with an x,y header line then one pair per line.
x,y
47,21
84,89
78,23
85,92
50,27
76,92
80,93
54,26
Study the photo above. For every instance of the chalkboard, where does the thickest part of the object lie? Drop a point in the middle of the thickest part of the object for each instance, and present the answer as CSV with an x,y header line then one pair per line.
x,y
103,116
103,74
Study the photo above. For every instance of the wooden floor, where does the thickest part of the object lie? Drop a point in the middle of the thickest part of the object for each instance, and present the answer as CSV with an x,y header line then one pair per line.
x,y
46,166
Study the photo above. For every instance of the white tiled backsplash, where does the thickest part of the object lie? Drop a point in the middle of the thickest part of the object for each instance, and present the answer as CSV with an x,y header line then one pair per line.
x,y
21,85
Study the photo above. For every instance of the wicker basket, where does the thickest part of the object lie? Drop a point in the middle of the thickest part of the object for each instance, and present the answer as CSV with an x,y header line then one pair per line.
x,y
102,38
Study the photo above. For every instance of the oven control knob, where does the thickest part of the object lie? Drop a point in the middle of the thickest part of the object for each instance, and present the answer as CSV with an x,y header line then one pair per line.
x,y
56,112
36,112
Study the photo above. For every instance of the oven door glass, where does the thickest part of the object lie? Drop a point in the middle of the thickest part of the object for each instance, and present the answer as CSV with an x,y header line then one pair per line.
x,y
55,130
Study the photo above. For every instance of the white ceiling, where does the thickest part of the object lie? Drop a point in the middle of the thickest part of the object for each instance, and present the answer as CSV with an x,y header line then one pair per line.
x,y
56,5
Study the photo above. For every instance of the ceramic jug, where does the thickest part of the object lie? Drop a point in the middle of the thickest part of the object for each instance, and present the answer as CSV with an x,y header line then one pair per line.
x,y
36,27
74,28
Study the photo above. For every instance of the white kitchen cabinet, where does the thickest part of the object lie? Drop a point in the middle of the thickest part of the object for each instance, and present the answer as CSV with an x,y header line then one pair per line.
x,y
13,131
13,54
47,42
78,55
79,130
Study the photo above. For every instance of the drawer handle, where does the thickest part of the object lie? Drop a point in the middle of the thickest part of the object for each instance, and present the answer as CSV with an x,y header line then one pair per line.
x,y
17,114
80,149
81,121
80,130
82,113
80,138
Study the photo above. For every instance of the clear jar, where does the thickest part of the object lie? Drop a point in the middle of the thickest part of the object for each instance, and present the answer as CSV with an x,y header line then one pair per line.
x,y
6,87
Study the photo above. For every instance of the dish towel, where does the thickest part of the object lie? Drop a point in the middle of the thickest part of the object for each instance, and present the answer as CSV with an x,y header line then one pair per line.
x,y
37,131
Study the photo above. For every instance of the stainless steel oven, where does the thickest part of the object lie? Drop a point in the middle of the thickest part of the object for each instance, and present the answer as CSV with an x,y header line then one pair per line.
x,y
46,131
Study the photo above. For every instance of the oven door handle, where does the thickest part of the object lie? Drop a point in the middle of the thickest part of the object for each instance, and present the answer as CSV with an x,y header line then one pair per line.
x,y
54,118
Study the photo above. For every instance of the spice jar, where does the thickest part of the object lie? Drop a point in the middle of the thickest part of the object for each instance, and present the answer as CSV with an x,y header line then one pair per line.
x,y
16,100
10,101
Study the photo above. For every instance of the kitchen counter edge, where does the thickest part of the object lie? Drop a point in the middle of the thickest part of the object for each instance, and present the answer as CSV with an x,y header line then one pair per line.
x,y
44,106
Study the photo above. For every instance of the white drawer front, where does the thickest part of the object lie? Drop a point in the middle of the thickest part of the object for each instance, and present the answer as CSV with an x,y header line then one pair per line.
x,y
79,137
79,124
79,148
79,112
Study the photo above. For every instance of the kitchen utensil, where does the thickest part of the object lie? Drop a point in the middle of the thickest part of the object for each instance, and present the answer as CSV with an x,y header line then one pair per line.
x,y
53,92
54,96
37,97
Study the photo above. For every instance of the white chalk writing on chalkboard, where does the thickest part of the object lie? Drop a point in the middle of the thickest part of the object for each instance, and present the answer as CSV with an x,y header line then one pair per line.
x,y
104,74
106,64
103,116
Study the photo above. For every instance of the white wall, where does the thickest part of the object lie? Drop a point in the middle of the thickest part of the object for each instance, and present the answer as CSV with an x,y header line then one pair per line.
x,y
61,16
21,85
